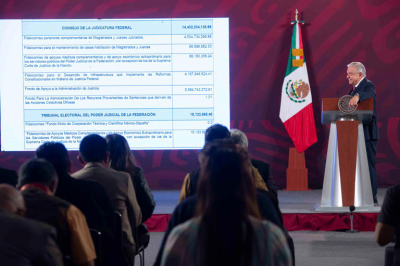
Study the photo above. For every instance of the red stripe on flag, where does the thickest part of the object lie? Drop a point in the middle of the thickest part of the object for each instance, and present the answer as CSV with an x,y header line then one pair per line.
x,y
301,128
300,39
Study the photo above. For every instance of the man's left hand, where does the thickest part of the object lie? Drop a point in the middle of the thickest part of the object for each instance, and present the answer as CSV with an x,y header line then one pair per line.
x,y
354,101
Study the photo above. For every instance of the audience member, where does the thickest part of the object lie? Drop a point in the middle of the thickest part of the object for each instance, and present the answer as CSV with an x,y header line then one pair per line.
x,y
388,224
187,208
227,229
121,159
23,241
8,177
238,137
119,187
88,196
38,183
189,185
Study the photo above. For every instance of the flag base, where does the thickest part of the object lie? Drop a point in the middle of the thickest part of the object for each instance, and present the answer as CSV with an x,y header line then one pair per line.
x,y
296,173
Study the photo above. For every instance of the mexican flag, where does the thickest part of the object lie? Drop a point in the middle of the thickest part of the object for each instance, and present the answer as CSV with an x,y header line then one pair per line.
x,y
296,102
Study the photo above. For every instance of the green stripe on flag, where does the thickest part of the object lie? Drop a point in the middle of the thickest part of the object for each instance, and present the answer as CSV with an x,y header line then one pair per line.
x,y
290,68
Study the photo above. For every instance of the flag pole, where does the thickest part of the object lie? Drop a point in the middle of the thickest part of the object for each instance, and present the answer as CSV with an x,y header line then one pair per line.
x,y
296,173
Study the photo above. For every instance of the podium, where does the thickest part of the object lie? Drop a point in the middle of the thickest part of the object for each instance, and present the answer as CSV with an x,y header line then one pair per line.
x,y
346,180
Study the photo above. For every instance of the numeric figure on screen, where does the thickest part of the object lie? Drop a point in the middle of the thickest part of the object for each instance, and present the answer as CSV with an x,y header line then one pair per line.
x,y
363,89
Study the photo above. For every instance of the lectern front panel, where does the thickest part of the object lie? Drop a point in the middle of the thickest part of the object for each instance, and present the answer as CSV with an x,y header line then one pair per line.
x,y
347,132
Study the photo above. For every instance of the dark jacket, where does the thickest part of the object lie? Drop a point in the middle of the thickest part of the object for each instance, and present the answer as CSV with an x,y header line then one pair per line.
x,y
91,199
8,177
194,179
143,193
26,242
265,171
365,91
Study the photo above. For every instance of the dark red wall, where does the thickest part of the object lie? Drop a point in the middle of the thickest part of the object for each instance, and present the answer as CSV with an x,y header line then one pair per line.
x,y
336,33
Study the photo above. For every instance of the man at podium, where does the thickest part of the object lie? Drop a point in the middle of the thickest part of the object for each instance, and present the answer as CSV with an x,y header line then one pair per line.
x,y
364,89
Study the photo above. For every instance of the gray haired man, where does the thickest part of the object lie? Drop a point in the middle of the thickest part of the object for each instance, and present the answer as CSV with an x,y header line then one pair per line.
x,y
364,89
238,137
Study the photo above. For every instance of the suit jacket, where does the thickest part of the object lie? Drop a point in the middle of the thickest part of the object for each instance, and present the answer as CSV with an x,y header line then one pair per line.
x,y
365,91
120,190
90,198
26,242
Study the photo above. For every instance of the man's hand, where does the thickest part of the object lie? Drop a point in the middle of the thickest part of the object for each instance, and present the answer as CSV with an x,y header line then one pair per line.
x,y
354,101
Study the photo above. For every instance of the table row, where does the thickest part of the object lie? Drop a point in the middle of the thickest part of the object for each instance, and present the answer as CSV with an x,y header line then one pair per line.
x,y
105,62
138,39
117,90
137,139
153,78
120,115
78,27
118,101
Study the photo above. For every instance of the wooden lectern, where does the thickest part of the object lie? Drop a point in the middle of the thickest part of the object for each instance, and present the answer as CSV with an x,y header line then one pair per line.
x,y
347,180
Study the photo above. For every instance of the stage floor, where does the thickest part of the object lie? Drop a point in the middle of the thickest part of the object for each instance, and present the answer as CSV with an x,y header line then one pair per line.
x,y
289,201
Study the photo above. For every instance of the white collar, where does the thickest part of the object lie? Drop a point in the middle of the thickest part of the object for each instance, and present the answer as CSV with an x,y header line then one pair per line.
x,y
359,82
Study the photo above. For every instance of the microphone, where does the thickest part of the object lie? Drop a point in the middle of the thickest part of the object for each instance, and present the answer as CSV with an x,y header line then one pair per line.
x,y
352,209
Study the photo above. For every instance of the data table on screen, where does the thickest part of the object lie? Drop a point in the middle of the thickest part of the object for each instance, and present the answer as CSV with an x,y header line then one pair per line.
x,y
152,81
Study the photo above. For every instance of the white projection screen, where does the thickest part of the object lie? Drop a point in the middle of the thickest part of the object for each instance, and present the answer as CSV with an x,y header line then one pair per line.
x,y
158,82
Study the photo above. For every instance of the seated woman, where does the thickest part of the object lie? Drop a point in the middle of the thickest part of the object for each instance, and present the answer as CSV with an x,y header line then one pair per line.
x,y
227,229
121,159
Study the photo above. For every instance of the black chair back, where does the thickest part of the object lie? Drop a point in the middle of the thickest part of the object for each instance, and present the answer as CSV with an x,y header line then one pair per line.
x,y
97,241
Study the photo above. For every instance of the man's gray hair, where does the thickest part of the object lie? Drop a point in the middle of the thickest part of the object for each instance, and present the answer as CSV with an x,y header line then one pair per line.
x,y
359,67
238,137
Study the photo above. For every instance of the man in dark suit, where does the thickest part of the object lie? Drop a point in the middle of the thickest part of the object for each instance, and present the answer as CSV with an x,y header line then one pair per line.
x,y
364,89
24,241
88,196
118,185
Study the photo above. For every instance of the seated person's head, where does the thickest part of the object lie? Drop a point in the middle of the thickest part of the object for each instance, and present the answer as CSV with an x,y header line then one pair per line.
x,y
226,200
215,132
121,156
56,154
225,178
11,200
239,138
38,171
93,149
